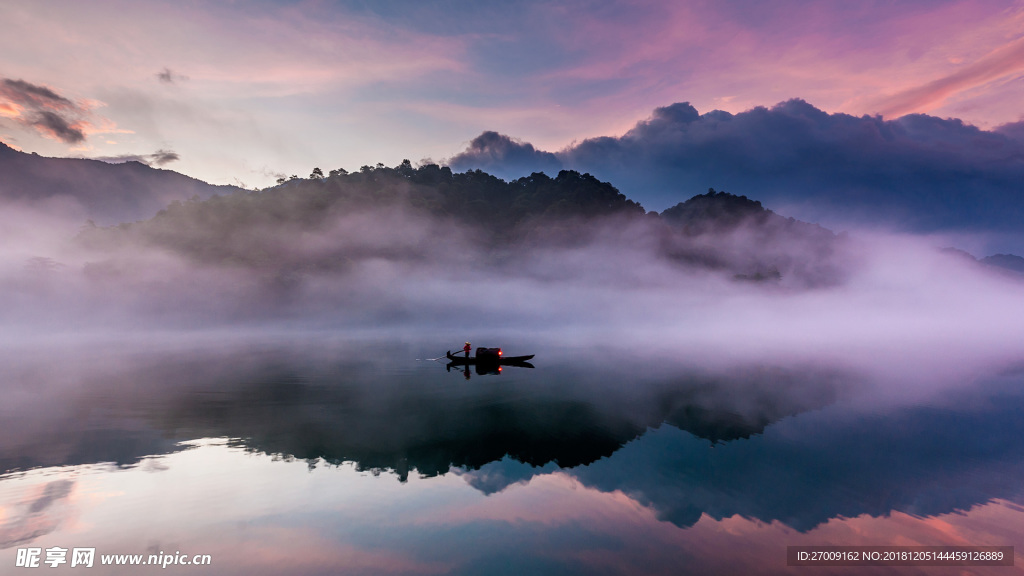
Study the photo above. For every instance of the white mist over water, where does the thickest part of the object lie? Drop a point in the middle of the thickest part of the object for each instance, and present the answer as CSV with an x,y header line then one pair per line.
x,y
678,391
895,309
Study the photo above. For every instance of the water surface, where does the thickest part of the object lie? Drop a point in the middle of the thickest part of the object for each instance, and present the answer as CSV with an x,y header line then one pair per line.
x,y
320,455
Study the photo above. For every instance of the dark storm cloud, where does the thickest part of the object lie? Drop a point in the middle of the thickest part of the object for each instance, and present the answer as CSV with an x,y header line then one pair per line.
x,y
504,157
917,172
45,110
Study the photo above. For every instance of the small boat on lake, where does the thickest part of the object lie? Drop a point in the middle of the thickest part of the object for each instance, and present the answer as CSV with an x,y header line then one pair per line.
x,y
489,357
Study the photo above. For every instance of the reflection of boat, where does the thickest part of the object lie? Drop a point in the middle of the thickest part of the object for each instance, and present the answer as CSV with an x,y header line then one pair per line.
x,y
489,357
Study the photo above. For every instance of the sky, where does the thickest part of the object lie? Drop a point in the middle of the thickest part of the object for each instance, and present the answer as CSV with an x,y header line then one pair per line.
x,y
244,92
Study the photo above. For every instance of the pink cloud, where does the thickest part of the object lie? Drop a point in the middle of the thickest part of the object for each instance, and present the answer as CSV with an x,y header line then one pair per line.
x,y
704,55
274,549
270,51
1004,61
623,65
10,110
50,114
283,72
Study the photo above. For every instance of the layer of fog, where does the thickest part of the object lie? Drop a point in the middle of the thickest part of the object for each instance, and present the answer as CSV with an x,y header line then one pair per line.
x,y
892,307
119,354
112,354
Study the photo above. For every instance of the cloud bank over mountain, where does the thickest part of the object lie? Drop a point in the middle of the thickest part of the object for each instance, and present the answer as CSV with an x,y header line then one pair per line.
x,y
505,156
917,172
160,158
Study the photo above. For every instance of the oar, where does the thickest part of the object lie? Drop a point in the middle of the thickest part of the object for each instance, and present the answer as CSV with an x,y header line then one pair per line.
x,y
445,357
434,359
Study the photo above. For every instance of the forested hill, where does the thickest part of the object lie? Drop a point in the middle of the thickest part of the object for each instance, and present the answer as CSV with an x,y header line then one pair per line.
x,y
473,197
421,214
721,212
499,212
714,210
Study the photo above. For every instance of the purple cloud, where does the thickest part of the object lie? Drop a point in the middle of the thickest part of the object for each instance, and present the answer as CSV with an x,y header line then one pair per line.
x,y
504,156
917,172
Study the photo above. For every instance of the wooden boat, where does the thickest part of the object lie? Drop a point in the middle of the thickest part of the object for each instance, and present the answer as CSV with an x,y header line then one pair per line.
x,y
485,356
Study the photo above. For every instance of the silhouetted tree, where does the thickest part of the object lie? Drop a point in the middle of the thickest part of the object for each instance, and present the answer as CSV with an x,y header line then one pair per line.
x,y
405,168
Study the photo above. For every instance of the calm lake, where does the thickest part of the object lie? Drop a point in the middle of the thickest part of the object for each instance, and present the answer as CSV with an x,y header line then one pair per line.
x,y
313,454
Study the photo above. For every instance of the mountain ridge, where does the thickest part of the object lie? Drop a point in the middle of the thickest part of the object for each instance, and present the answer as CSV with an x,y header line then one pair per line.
x,y
430,214
100,191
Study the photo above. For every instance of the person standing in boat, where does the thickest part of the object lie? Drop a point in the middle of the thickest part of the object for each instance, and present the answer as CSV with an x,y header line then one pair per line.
x,y
466,349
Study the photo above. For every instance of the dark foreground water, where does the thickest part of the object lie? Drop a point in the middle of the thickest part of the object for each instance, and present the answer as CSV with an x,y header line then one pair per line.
x,y
318,456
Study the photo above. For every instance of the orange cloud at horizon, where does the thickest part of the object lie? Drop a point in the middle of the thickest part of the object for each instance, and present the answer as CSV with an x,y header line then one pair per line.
x,y
10,110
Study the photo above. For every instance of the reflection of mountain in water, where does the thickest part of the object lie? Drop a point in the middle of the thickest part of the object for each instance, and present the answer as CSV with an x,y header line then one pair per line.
x,y
425,422
82,442
343,410
686,443
919,460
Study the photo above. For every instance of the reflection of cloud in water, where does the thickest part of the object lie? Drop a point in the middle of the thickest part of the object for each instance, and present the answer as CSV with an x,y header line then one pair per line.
x,y
285,518
151,464
36,513
578,529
